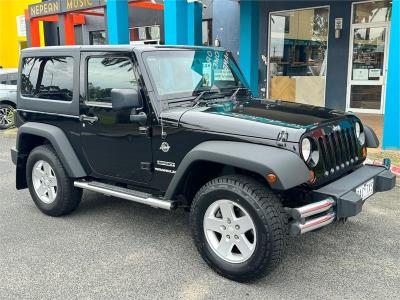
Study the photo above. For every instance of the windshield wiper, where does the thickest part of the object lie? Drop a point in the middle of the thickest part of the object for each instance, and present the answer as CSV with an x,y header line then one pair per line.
x,y
199,97
234,95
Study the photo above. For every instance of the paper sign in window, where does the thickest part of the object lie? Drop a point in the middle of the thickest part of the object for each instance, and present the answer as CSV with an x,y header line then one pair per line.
x,y
360,74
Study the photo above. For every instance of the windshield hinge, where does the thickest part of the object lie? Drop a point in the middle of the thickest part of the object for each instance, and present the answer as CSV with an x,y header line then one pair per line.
x,y
164,105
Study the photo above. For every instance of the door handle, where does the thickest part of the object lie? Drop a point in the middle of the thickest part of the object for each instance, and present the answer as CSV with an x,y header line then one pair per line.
x,y
91,120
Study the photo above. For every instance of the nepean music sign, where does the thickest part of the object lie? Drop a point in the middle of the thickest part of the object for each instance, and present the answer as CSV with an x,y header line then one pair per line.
x,y
62,6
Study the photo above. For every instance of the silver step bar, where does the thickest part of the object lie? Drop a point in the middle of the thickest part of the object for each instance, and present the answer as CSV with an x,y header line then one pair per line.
x,y
304,220
109,191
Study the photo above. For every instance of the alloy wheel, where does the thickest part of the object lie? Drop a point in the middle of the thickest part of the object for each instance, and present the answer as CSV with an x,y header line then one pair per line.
x,y
7,116
44,181
230,231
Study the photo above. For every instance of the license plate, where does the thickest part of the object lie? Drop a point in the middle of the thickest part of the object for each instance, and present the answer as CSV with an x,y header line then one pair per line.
x,y
366,190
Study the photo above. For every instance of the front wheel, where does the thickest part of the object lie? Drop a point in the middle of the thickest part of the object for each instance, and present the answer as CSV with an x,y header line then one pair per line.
x,y
239,227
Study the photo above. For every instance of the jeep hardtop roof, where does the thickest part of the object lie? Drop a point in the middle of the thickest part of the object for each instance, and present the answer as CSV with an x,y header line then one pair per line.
x,y
137,48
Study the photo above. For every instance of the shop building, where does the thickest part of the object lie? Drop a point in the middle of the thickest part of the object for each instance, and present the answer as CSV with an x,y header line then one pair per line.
x,y
13,31
330,53
89,22
325,53
338,54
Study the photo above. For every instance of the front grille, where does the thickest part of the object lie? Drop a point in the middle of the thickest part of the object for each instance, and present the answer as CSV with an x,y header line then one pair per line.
x,y
338,150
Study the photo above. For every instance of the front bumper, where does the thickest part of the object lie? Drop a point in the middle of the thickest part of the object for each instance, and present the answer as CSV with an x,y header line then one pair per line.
x,y
339,199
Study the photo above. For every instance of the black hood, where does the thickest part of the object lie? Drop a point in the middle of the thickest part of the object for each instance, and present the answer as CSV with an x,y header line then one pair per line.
x,y
255,118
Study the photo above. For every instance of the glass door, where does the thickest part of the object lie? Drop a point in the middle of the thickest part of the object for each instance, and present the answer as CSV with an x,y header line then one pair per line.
x,y
368,68
368,56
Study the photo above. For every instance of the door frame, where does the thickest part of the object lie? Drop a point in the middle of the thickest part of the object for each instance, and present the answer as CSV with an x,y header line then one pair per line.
x,y
351,82
268,75
85,106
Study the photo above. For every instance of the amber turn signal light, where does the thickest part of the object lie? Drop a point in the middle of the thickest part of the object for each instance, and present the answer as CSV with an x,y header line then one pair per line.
x,y
271,178
364,152
311,177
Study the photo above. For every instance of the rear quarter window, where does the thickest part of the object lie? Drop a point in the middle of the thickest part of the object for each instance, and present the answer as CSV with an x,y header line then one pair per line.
x,y
47,78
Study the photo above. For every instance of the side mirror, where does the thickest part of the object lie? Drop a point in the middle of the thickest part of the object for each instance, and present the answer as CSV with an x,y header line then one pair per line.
x,y
125,99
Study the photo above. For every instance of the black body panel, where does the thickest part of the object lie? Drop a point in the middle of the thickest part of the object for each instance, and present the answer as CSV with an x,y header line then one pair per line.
x,y
288,167
257,135
113,146
59,142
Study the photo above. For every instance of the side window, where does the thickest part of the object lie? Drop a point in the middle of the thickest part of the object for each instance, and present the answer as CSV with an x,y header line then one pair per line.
x,y
13,78
3,79
48,78
107,73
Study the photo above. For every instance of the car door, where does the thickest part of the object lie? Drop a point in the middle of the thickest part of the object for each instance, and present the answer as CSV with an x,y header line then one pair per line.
x,y
114,147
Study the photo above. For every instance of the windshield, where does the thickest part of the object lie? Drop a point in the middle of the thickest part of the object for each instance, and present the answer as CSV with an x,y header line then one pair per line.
x,y
186,73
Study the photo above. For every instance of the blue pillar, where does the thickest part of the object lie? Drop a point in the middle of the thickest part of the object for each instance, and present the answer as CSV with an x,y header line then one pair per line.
x,y
175,22
249,28
195,17
391,128
117,22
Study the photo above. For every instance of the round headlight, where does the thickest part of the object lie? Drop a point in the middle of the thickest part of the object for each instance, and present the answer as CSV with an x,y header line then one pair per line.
x,y
358,130
360,134
306,148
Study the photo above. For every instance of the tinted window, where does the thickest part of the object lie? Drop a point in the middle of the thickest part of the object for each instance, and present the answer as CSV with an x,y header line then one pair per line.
x,y
3,79
12,78
47,78
107,73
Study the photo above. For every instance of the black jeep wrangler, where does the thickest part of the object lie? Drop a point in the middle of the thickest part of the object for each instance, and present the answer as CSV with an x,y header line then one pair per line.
x,y
177,127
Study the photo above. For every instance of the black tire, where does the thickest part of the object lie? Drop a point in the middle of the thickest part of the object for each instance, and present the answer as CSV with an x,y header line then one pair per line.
x,y
10,121
67,198
268,216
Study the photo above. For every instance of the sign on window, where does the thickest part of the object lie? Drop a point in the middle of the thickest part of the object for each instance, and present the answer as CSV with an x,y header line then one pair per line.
x,y
21,26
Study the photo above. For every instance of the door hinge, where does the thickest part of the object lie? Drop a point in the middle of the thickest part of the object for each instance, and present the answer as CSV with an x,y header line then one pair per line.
x,y
147,166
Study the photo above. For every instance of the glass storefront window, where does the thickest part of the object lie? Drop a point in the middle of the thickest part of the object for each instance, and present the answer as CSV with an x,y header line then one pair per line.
x,y
97,37
298,55
145,34
368,53
207,33
372,12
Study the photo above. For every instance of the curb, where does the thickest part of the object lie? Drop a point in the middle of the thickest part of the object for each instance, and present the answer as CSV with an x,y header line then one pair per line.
x,y
395,169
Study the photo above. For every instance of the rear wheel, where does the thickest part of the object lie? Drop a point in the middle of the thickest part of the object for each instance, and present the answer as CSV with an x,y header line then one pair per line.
x,y
239,227
50,187
7,118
